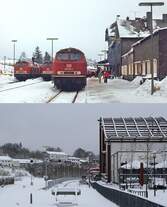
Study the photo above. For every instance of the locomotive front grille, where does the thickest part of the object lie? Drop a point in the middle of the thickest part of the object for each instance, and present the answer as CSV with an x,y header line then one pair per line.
x,y
68,73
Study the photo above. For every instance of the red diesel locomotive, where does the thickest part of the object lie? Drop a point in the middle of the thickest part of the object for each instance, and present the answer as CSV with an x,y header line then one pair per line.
x,y
69,69
46,71
24,70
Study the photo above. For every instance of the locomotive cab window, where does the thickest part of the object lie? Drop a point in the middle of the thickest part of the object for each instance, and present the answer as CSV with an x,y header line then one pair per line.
x,y
68,56
63,56
75,56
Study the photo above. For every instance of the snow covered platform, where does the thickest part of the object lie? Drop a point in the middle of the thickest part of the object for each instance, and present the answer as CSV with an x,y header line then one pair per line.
x,y
19,195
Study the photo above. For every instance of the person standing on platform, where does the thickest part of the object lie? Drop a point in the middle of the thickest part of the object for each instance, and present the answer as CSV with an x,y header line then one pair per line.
x,y
106,76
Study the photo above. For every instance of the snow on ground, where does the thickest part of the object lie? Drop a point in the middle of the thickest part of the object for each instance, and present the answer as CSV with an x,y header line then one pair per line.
x,y
65,97
38,92
115,91
19,195
6,70
118,90
5,79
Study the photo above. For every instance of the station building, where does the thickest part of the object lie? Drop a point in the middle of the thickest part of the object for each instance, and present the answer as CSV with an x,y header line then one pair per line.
x,y
137,61
123,33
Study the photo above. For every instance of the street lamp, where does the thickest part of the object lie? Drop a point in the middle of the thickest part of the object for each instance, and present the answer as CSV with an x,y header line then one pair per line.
x,y
46,171
151,4
31,164
52,39
154,157
4,62
14,51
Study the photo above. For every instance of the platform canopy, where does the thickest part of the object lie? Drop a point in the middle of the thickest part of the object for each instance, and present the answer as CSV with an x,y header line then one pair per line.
x,y
131,129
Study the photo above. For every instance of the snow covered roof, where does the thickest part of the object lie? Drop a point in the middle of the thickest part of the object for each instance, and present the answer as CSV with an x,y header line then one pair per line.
x,y
73,158
5,158
148,36
127,30
55,153
162,164
137,129
22,161
134,165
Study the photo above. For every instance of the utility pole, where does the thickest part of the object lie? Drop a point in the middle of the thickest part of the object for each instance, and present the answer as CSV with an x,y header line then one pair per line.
x,y
151,4
4,62
14,51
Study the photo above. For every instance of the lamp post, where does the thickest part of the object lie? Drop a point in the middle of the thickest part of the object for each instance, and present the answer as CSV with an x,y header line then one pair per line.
x,y
31,163
52,40
151,4
46,172
4,62
154,157
14,51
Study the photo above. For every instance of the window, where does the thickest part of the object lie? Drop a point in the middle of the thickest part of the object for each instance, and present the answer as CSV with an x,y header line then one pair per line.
x,y
68,56
63,56
75,56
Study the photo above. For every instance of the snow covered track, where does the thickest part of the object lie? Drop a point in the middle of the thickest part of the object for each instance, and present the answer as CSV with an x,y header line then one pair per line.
x,y
75,97
53,97
20,86
64,97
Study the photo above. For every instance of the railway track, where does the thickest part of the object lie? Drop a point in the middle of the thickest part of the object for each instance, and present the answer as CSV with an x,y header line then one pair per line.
x,y
53,97
75,97
22,86
61,96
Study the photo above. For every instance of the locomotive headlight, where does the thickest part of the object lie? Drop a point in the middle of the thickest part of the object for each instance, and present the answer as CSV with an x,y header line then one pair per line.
x,y
60,72
78,72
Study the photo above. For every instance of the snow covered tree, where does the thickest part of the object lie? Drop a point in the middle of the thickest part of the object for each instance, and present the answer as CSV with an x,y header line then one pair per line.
x,y
37,55
47,58
23,56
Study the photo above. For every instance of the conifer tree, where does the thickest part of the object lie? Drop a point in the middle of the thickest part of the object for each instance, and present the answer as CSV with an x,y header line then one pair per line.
x,y
47,58
37,55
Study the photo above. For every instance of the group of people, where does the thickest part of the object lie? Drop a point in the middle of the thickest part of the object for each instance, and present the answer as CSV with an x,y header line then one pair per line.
x,y
102,73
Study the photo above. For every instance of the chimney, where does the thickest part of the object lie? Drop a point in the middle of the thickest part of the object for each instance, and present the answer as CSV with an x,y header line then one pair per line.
x,y
148,19
164,18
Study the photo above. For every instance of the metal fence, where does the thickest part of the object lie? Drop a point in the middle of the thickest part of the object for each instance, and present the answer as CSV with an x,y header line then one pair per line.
x,y
123,199
52,183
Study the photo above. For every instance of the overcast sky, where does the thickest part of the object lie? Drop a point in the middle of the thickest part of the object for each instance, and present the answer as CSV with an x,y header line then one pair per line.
x,y
78,23
63,125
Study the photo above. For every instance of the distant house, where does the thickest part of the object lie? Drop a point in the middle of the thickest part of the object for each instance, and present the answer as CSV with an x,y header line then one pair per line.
x,y
122,34
74,160
57,156
6,161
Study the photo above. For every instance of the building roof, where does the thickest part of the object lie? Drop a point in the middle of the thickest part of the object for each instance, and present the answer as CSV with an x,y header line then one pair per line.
x,y
138,129
133,28
55,153
128,29
73,158
149,36
5,158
